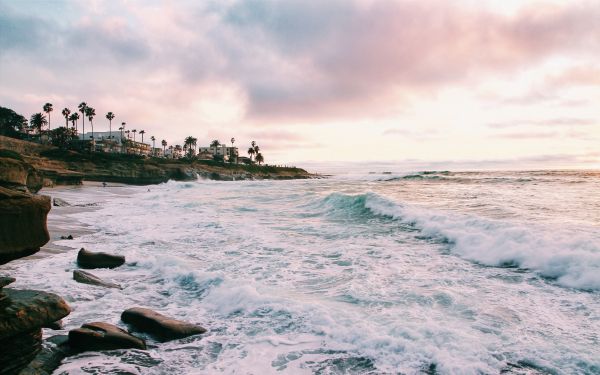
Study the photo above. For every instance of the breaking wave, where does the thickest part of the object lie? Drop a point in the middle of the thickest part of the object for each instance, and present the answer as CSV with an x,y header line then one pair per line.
x,y
572,260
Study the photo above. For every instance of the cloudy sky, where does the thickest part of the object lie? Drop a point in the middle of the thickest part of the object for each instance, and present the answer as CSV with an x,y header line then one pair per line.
x,y
475,81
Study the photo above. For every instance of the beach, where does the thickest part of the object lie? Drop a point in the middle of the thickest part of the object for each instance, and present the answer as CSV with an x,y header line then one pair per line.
x,y
378,273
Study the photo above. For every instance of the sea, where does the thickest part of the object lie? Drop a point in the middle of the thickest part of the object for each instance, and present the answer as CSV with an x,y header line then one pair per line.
x,y
368,272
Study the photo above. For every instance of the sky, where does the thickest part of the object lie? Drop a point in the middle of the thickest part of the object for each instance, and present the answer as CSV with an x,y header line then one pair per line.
x,y
499,84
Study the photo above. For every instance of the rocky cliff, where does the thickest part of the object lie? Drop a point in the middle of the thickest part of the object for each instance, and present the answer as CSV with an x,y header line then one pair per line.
x,y
23,231
68,167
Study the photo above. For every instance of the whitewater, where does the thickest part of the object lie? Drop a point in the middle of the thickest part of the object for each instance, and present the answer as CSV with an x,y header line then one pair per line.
x,y
365,273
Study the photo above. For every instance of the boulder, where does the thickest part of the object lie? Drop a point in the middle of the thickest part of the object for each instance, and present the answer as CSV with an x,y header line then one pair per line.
x,y
54,350
103,336
23,227
91,260
57,202
20,326
159,326
87,278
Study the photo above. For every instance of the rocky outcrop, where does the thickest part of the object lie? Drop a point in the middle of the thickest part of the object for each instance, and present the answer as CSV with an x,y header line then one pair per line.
x,y
20,326
91,260
54,350
159,326
16,174
87,278
23,227
103,336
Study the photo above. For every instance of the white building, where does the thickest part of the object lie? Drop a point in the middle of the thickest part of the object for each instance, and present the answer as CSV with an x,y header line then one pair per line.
x,y
220,151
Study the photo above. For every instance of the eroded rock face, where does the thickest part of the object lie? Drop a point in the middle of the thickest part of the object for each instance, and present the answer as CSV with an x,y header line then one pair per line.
x,y
23,227
20,325
103,336
159,326
90,260
16,174
87,278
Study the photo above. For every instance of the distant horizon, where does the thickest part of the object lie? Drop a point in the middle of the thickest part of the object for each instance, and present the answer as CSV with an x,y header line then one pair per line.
x,y
466,84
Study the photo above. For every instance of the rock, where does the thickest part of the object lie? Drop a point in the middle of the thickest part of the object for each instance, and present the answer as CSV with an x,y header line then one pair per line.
x,y
23,227
17,174
103,336
56,326
87,278
159,326
69,237
57,202
54,350
5,280
90,260
20,326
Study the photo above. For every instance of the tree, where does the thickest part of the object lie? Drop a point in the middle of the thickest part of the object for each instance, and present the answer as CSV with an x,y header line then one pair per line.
x,y
127,132
90,113
251,152
153,139
110,116
73,118
48,108
82,106
12,124
134,131
66,112
38,121
61,136
142,132
122,128
259,158
231,153
215,144
188,143
164,144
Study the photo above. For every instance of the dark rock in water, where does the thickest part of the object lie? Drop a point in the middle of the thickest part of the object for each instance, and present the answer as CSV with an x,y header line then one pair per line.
x,y
57,202
103,336
87,278
23,227
6,280
58,325
54,350
20,326
159,326
69,237
90,260
29,310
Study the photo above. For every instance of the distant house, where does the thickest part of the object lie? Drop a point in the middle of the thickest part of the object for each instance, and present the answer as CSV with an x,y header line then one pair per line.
x,y
173,153
220,152
158,152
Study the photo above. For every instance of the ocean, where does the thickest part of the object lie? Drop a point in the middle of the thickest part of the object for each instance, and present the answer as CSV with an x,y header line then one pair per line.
x,y
360,273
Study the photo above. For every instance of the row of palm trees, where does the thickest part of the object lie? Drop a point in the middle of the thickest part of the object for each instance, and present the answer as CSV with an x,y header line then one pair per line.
x,y
38,121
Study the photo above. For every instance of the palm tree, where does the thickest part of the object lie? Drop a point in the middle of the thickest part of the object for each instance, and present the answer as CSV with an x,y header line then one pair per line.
x,y
73,118
187,143
256,149
142,132
134,131
259,158
127,132
90,113
231,153
153,139
110,116
66,112
82,106
178,148
251,152
215,144
121,129
38,121
164,144
48,108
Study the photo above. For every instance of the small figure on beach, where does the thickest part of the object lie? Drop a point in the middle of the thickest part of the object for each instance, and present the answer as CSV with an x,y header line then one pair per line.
x,y
104,184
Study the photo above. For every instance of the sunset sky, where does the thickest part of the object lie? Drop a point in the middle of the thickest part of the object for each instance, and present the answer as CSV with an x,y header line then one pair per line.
x,y
513,83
